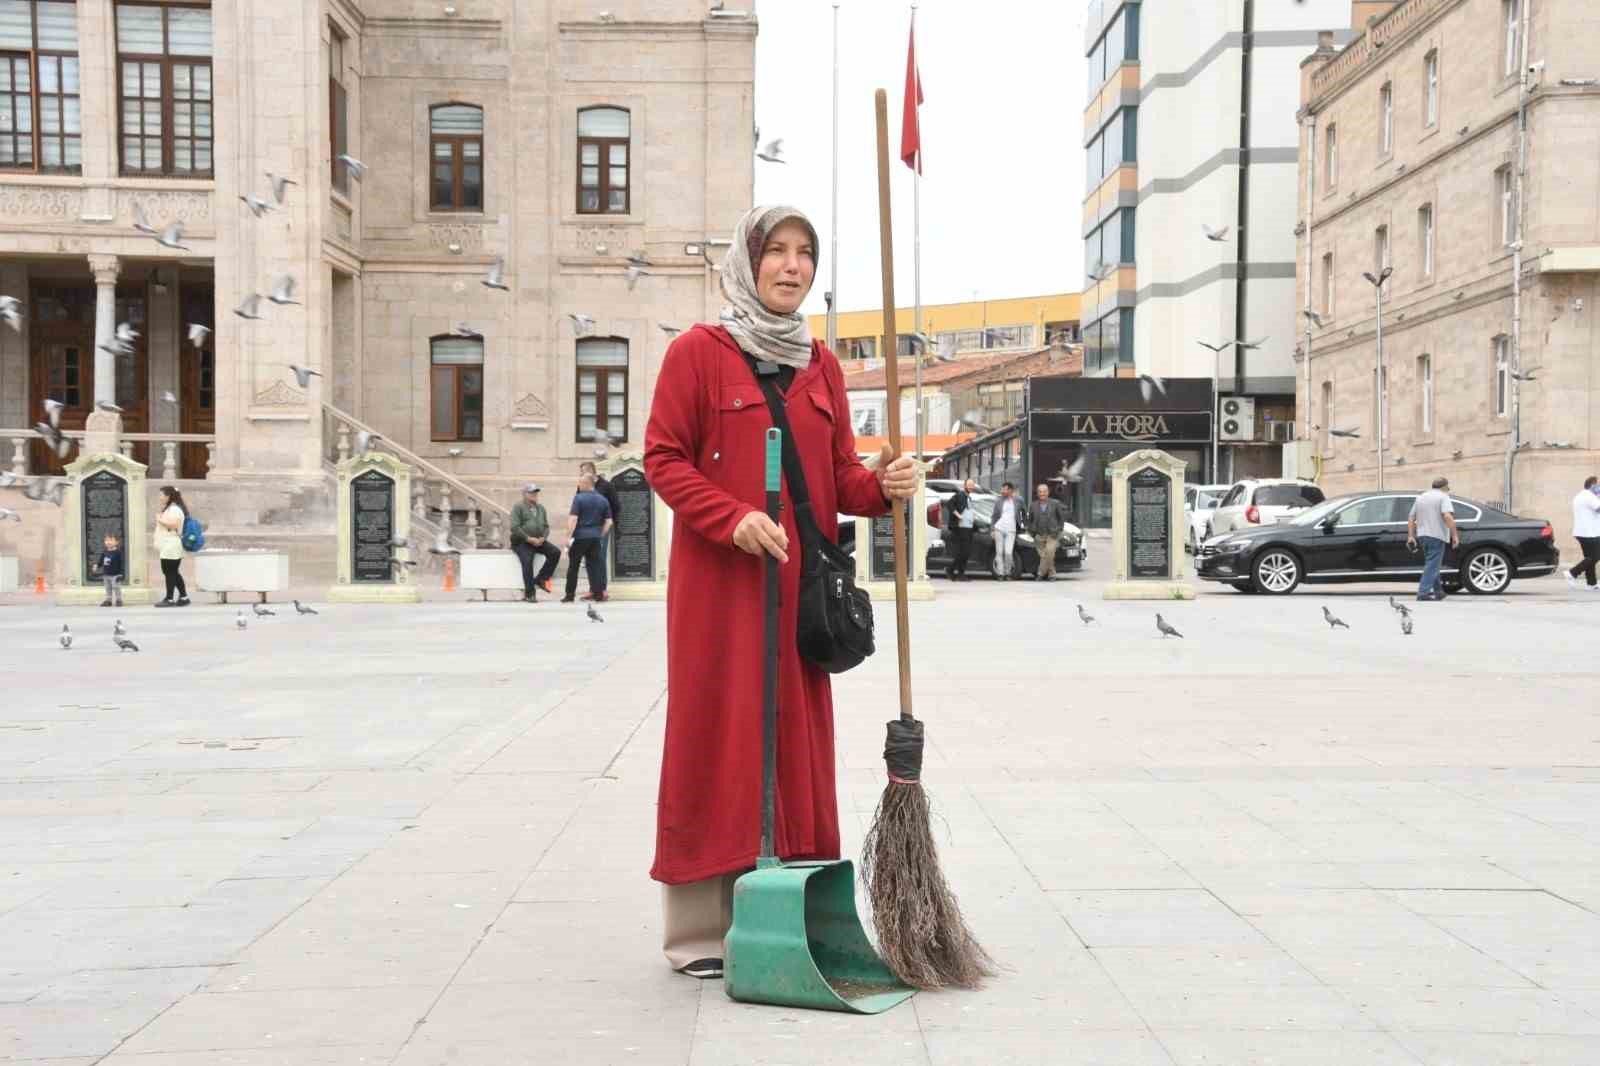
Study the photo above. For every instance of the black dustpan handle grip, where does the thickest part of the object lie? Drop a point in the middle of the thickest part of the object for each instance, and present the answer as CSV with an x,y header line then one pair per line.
x,y
769,674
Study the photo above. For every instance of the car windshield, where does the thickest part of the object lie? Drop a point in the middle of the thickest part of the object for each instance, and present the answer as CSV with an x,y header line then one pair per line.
x,y
1318,513
1288,496
1206,501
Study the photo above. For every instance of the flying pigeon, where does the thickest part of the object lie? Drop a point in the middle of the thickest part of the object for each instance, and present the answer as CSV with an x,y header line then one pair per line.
x,y
140,222
355,167
66,636
582,324
1405,624
1074,472
638,259
495,279
7,514
1164,629
633,274
117,630
365,440
124,644
283,291
441,545
59,442
261,611
300,609
11,312
671,331
1334,622
1351,433
256,204
455,453
168,397
172,237
249,307
1215,347
107,405
126,333
279,185
461,329
594,615
1085,615
1215,234
1316,319
772,151
52,410
1149,384
606,16
303,375
241,621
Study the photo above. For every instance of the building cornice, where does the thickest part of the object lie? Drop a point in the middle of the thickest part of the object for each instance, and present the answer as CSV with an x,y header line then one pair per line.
x,y
1399,26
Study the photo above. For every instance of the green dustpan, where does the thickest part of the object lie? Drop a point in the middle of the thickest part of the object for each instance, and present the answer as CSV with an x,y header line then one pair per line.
x,y
796,940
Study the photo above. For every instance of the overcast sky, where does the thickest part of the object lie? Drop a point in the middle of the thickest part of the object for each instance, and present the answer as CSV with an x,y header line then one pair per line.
x,y
1002,184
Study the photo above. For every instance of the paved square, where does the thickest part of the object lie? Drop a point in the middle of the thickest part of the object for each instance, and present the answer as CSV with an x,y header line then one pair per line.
x,y
419,836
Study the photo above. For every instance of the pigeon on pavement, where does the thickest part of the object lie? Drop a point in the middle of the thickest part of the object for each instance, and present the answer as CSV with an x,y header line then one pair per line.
x,y
66,636
124,644
594,615
117,630
261,611
1405,623
1164,629
1400,607
1085,615
241,621
300,609
1334,622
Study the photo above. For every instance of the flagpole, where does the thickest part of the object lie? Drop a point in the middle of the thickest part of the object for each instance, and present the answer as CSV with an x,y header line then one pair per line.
x,y
916,252
833,239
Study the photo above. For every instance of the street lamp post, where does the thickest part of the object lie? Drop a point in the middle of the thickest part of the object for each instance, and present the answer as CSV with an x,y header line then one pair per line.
x,y
1377,379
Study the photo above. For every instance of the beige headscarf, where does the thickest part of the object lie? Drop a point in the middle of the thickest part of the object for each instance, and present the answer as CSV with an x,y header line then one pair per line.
x,y
765,334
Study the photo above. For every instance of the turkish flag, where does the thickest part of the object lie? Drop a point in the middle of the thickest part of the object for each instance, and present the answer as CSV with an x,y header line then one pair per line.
x,y
910,122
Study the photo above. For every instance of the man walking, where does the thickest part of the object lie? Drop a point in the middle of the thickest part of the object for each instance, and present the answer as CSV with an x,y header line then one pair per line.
x,y
1586,527
1433,522
603,487
530,536
1007,520
962,521
588,524
1046,516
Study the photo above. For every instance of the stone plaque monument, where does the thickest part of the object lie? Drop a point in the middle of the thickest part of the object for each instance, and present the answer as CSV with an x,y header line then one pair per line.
x,y
880,563
633,546
373,511
105,494
874,549
1146,528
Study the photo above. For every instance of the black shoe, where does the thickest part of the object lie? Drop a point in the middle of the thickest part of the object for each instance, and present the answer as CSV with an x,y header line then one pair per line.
x,y
105,603
704,969
569,599
527,597
183,602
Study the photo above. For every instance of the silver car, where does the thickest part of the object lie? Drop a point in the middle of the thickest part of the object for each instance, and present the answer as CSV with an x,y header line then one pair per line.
x,y
1198,503
1261,502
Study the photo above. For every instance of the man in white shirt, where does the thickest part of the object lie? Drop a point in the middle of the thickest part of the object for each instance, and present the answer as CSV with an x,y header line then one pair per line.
x,y
1433,522
1586,528
1007,517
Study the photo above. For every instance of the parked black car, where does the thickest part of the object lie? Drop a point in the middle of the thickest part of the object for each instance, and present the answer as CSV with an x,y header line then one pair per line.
x,y
1362,537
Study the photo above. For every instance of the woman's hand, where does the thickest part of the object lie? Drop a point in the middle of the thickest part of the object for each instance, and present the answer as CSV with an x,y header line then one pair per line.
x,y
898,479
758,534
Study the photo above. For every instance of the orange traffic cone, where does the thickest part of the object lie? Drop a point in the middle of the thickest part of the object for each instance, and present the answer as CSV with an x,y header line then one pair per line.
x,y
449,575
38,583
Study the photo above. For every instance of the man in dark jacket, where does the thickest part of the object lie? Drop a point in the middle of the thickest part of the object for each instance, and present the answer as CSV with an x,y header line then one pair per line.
x,y
603,487
962,520
587,527
1046,516
530,536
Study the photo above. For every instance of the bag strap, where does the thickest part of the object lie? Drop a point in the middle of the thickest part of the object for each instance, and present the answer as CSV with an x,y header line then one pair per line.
x,y
766,375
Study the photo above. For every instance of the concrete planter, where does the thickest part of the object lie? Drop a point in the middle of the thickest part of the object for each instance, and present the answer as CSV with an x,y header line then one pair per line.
x,y
8,574
489,570
222,571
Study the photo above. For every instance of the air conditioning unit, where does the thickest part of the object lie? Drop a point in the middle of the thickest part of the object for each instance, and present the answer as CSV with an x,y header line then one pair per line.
x,y
1280,432
1236,418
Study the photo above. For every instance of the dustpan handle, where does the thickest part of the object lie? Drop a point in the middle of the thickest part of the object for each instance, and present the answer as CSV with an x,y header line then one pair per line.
x,y
769,674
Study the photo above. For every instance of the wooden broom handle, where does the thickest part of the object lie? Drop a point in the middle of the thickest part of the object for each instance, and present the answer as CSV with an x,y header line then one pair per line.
x,y
891,373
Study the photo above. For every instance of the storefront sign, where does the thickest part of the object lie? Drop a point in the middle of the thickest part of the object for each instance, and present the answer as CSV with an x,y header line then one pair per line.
x,y
1138,426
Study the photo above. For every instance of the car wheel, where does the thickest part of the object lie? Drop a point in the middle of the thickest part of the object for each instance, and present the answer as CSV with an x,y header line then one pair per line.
x,y
1247,587
1487,572
1276,572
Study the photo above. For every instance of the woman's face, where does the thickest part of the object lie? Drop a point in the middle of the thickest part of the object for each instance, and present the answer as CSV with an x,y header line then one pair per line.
x,y
787,268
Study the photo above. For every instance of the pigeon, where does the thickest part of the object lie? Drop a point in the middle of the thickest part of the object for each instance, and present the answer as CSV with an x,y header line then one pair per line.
x,y
671,331
1316,319
52,410
7,514
354,167
441,545
1353,434
140,222
172,237
117,630
1164,629
364,441
8,479
66,636
1405,624
107,405
300,609
1074,471
608,17
1085,615
1333,620
11,311
168,397
455,453
279,185
772,151
1215,348
943,349
261,611
40,490
594,615
1251,346
461,329
1102,270
638,259
249,307
126,333
283,291
124,644
241,621
303,375
256,204
1149,384
1400,607
1215,234
633,274
59,442
582,324
495,279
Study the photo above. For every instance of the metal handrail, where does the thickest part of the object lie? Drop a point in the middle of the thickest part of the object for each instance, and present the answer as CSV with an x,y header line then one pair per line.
x,y
410,457
136,438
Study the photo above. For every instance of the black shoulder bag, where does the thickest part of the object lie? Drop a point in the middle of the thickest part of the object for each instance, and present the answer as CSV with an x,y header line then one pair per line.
x,y
835,630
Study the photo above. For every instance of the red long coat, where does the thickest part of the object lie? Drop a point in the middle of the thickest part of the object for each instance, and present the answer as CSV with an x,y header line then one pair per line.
x,y
705,455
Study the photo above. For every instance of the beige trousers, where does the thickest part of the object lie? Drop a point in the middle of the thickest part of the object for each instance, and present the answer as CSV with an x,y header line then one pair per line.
x,y
696,917
1047,555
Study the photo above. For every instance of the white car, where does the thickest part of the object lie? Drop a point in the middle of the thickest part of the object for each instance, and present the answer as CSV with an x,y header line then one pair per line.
x,y
1198,503
1261,502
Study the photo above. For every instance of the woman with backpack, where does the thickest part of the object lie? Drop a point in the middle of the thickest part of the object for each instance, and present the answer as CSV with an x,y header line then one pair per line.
x,y
170,518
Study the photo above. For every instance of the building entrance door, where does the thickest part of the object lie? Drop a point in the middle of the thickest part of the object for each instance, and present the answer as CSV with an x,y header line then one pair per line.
x,y
61,363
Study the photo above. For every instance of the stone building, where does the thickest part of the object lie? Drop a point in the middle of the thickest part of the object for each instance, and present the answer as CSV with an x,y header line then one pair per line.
x,y
548,134
1410,162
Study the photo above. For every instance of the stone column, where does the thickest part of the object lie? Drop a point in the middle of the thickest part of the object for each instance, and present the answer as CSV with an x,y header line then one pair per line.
x,y
105,326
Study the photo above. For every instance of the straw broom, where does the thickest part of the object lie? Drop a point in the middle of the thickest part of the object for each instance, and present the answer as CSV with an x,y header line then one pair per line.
x,y
921,933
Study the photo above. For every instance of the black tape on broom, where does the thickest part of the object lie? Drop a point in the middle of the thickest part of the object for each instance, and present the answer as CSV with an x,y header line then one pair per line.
x,y
902,751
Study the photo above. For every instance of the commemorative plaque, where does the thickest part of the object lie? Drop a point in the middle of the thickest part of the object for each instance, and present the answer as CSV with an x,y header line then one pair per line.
x,y
882,558
633,534
105,511
371,526
1149,535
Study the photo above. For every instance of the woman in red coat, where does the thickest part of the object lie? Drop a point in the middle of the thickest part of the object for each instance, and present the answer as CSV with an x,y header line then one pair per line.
x,y
704,455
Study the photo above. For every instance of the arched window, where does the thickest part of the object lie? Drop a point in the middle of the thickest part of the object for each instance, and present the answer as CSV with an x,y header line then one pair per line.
x,y
455,379
602,388
604,164
455,149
